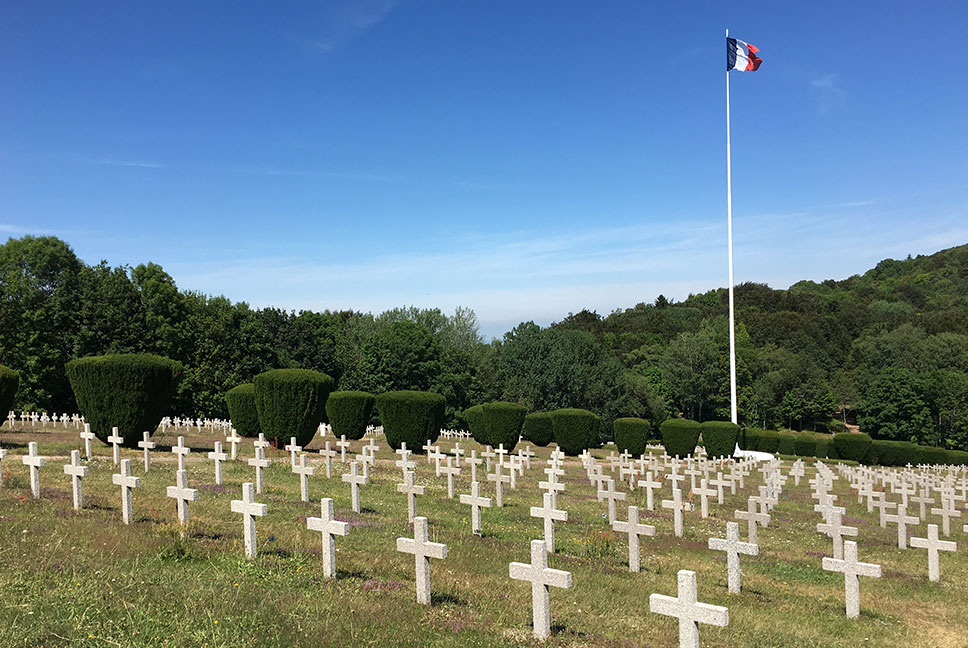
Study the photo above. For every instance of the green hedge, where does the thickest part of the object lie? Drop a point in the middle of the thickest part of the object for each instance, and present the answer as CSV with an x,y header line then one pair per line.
x,y
679,436
475,423
9,381
128,391
292,403
853,447
630,435
958,457
349,413
574,429
769,441
504,422
907,453
787,444
538,428
805,445
719,438
411,417
748,438
242,410
931,456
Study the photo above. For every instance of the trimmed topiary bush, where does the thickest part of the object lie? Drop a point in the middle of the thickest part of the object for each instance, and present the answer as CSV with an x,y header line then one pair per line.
x,y
410,417
884,452
9,381
291,403
475,423
931,456
852,446
504,422
719,438
574,429
906,453
823,447
349,412
630,435
958,457
538,428
128,391
748,438
769,441
242,410
679,436
805,445
787,444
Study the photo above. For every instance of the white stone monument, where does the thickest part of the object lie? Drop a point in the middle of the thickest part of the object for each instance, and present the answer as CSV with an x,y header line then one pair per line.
x,y
127,483
686,608
541,578
423,551
329,528
250,510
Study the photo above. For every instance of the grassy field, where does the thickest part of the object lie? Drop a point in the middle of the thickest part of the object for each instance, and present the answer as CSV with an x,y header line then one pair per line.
x,y
84,579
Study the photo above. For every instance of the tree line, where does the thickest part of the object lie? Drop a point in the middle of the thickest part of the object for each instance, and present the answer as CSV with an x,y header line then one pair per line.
x,y
887,350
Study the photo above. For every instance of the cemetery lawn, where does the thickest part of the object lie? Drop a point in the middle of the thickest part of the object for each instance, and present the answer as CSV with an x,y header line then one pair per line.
x,y
85,579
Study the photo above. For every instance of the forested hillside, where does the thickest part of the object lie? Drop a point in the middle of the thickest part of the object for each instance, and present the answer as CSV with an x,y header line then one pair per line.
x,y
887,349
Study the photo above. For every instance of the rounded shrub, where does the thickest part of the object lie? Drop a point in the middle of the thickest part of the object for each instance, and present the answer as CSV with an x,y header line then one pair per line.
x,y
475,424
504,422
538,428
242,410
823,447
769,441
958,458
679,436
804,445
630,435
748,438
787,444
291,403
574,429
9,381
410,417
931,456
884,452
906,453
349,413
128,391
719,438
853,447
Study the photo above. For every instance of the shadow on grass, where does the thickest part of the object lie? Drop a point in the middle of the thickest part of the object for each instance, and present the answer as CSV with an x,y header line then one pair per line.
x,y
355,574
367,509
444,598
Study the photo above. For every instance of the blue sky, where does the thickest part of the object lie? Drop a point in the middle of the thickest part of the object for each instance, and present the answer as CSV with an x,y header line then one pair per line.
x,y
524,159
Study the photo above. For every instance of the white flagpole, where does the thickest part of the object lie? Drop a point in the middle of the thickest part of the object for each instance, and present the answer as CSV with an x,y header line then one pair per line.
x,y
729,225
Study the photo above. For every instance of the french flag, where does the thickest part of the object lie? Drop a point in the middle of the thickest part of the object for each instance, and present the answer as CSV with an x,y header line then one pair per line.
x,y
741,56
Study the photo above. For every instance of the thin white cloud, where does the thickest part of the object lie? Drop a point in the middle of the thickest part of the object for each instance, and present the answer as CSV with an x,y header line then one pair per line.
x,y
8,228
342,23
831,94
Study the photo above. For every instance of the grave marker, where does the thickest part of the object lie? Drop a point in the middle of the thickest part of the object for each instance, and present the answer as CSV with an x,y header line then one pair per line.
x,y
541,578
633,529
329,528
127,484
851,569
77,472
250,510
686,608
733,548
422,551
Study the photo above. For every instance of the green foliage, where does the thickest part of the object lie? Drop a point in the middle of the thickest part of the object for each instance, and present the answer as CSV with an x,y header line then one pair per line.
x,y
958,457
719,438
931,456
907,453
852,446
824,447
805,445
787,444
476,425
128,391
679,436
749,438
630,435
504,421
9,380
574,429
349,413
242,410
538,428
769,441
411,417
291,403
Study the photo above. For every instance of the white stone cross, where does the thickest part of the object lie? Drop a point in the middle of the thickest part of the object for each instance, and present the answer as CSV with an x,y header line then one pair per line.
x,y
35,461
612,496
836,530
933,545
720,482
147,445
3,454
250,510
233,440
549,514
499,481
851,569
259,462
328,454
753,520
500,452
293,450
87,436
127,484
411,490
476,502
329,528
633,529
429,448
77,472
422,551
218,457
180,451
541,578
488,454
902,519
649,484
474,461
261,442
678,507
553,487
342,444
451,471
115,440
305,472
704,493
458,453
404,463
733,548
182,495
947,511
355,480
923,500
688,610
